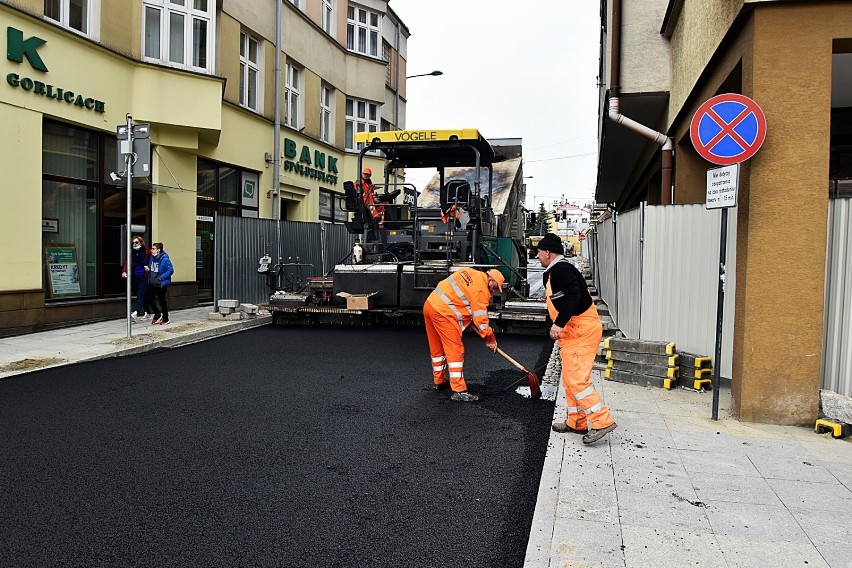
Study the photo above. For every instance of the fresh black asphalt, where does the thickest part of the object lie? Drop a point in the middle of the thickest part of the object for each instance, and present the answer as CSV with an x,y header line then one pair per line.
x,y
278,446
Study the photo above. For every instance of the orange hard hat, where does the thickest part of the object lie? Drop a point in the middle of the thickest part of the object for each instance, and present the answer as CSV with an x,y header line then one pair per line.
x,y
367,171
497,276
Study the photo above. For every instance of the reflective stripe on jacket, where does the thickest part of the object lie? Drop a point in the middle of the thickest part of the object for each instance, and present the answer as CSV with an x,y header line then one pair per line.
x,y
464,296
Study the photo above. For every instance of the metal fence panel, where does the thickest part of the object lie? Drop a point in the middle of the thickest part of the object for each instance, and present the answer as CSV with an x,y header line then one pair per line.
x,y
837,326
629,240
240,242
606,265
680,272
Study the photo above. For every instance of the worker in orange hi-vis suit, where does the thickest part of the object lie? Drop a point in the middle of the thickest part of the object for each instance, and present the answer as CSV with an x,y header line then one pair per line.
x,y
458,300
577,330
368,189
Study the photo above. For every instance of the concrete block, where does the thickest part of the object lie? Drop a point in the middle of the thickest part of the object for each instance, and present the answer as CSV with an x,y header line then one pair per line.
x,y
228,303
641,358
635,379
226,310
836,406
693,373
640,369
215,316
642,346
693,360
248,308
236,316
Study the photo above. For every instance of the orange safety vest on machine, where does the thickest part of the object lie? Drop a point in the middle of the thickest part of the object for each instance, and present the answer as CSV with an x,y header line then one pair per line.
x,y
376,209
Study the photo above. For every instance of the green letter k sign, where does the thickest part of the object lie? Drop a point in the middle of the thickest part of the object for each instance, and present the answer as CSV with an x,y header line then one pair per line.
x,y
17,48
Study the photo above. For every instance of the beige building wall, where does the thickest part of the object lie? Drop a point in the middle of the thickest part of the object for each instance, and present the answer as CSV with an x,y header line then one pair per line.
x,y
789,179
643,68
20,224
697,35
121,27
172,209
781,57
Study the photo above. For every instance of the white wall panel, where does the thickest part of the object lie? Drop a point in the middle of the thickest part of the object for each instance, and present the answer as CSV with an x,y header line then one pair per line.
x,y
679,289
628,236
837,336
605,262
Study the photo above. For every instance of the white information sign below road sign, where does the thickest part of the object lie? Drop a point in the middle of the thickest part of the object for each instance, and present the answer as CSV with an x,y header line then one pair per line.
x,y
722,184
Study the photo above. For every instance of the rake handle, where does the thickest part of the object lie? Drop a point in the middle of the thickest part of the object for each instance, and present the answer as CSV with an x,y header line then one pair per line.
x,y
512,361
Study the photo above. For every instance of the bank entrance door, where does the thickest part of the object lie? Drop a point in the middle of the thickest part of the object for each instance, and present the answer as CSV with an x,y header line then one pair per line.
x,y
204,252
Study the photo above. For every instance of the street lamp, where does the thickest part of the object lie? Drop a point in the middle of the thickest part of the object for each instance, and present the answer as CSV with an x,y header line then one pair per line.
x,y
433,74
396,104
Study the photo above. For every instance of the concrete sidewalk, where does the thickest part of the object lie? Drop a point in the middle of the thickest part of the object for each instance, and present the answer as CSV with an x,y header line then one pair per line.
x,y
34,351
670,487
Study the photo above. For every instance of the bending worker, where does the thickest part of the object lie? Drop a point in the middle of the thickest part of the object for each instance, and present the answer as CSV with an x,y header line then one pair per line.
x,y
458,300
577,330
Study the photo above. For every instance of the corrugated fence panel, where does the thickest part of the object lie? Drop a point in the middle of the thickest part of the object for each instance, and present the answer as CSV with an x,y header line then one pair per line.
x,y
605,256
238,243
681,267
837,335
301,243
337,245
629,240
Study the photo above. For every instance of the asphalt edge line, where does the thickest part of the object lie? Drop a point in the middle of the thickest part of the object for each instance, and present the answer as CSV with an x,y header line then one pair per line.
x,y
168,343
538,553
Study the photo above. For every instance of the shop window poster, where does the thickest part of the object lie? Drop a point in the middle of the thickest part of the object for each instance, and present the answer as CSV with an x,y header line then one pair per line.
x,y
62,270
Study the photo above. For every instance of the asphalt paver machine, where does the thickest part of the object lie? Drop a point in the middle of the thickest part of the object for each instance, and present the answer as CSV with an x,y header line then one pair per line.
x,y
393,268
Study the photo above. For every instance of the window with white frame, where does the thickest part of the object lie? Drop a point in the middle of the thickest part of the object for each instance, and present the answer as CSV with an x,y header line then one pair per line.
x,y
361,116
363,30
250,78
328,17
179,32
74,14
293,82
326,120
386,51
295,3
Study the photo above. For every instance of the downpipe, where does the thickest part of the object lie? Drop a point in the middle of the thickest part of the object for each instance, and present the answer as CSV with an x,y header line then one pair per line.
x,y
667,143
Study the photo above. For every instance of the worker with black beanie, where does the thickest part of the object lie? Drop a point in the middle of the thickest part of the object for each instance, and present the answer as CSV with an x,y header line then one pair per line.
x,y
577,331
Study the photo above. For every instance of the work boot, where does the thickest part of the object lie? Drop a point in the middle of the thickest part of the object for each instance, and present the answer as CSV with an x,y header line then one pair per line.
x,y
464,397
596,434
562,428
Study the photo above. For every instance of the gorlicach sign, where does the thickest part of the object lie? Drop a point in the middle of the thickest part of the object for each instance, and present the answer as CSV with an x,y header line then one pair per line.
x,y
18,49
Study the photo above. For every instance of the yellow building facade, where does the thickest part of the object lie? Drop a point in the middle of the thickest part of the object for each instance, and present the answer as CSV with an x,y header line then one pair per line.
x,y
202,75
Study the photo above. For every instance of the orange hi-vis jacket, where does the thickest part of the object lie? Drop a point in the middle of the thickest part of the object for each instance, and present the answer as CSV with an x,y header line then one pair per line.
x,y
377,210
464,296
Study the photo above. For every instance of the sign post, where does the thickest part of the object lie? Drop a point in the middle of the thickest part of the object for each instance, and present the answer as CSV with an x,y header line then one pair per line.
x,y
126,148
134,149
726,130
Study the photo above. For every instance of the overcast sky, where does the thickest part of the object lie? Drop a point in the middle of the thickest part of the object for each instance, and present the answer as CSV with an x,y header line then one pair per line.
x,y
511,70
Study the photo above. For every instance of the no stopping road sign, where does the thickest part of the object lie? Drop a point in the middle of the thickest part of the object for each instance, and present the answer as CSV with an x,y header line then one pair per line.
x,y
728,129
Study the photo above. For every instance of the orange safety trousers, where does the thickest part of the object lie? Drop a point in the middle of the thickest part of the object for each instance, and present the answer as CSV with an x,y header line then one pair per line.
x,y
578,346
445,347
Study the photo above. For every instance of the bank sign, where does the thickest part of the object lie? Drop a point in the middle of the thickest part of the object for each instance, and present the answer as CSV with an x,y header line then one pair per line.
x,y
319,166
18,49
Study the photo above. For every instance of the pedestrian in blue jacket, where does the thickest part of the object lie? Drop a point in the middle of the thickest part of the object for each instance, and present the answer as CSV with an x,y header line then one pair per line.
x,y
159,277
